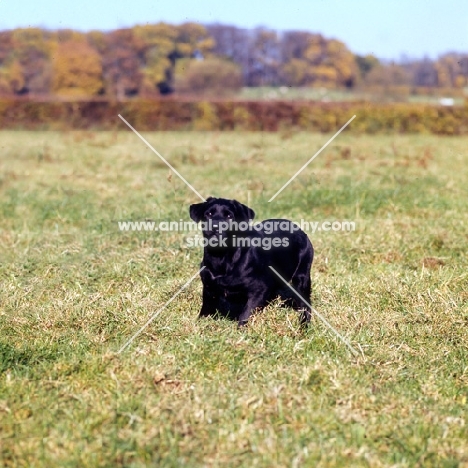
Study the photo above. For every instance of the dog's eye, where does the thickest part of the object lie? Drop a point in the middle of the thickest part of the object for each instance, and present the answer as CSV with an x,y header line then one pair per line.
x,y
209,214
229,216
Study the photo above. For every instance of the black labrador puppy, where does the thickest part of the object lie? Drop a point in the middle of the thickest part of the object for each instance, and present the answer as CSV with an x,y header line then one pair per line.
x,y
237,255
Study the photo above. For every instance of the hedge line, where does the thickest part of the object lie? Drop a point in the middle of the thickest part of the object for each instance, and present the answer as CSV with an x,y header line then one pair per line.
x,y
223,115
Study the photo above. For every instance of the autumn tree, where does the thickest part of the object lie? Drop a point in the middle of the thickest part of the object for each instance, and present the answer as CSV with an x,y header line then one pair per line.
x,y
296,72
264,59
164,46
389,75
365,64
97,40
331,63
32,48
122,63
425,74
77,69
257,52
311,60
232,43
452,70
295,68
294,44
69,35
6,46
12,79
192,41
189,41
151,59
463,66
212,76
159,43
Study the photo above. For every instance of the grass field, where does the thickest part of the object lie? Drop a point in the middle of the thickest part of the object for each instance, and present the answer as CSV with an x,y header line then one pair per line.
x,y
190,393
265,93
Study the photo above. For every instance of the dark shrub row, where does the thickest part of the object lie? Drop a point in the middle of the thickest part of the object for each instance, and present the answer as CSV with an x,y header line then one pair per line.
x,y
234,115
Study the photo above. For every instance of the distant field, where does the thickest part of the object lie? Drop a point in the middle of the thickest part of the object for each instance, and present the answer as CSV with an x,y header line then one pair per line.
x,y
338,95
188,393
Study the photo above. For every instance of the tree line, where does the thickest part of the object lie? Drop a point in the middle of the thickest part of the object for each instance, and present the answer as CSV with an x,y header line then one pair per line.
x,y
155,59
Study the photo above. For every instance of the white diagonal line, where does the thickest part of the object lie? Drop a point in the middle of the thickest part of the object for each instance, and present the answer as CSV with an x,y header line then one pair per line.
x,y
159,311
311,159
162,159
342,338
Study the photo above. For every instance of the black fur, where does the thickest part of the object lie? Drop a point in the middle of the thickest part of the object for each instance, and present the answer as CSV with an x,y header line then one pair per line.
x,y
237,278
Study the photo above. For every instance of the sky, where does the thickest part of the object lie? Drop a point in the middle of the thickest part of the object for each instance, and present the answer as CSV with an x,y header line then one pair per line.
x,y
389,29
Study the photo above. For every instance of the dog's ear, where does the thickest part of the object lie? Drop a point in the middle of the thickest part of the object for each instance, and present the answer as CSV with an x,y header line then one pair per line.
x,y
197,210
243,212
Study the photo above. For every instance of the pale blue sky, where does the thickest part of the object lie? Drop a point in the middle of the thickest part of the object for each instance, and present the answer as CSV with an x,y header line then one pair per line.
x,y
386,28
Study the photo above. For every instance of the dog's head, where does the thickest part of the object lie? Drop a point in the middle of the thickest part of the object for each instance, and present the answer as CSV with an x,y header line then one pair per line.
x,y
218,213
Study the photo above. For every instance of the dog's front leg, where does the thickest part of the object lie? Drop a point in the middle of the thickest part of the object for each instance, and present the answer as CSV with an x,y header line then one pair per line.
x,y
209,303
256,300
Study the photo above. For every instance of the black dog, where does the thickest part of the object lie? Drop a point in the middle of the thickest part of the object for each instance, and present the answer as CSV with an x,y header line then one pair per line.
x,y
237,278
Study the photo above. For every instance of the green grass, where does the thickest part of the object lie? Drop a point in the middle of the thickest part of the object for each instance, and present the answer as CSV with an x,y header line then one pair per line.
x,y
191,393
296,93
338,95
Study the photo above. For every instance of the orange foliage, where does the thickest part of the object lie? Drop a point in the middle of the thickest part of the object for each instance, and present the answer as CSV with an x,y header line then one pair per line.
x,y
149,59
209,76
230,115
77,69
